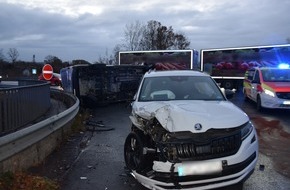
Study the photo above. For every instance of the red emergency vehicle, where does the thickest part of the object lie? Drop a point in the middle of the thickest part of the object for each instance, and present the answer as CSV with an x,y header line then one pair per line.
x,y
269,87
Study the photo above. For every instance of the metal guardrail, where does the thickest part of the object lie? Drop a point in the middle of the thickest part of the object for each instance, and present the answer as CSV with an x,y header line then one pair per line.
x,y
29,146
21,102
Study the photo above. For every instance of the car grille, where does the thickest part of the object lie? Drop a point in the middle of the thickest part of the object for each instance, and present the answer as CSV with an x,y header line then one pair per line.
x,y
283,95
215,148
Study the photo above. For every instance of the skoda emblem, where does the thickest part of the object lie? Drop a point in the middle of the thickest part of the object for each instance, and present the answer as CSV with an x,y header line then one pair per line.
x,y
198,126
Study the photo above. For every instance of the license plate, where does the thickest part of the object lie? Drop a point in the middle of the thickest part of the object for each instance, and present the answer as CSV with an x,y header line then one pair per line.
x,y
200,168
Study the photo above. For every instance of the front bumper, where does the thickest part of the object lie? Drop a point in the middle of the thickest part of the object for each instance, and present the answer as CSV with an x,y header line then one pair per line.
x,y
274,102
238,168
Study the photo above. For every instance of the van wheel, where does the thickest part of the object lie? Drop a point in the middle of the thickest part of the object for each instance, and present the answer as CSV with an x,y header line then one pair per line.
x,y
228,84
259,104
133,152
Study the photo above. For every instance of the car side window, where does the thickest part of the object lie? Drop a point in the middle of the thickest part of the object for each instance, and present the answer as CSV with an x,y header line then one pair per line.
x,y
256,77
250,75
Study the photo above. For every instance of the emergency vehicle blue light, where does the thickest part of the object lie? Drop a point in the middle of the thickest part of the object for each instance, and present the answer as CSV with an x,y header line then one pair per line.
x,y
283,66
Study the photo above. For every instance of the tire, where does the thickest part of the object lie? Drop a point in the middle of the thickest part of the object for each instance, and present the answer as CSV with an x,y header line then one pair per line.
x,y
259,104
228,84
133,152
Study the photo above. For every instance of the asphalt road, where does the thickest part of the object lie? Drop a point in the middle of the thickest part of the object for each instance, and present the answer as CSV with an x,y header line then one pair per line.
x,y
100,164
273,128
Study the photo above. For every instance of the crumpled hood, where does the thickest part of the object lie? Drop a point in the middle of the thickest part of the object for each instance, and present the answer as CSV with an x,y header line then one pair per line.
x,y
178,116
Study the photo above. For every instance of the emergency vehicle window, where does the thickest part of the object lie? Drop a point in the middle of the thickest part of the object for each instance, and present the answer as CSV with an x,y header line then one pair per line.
x,y
250,75
256,77
276,75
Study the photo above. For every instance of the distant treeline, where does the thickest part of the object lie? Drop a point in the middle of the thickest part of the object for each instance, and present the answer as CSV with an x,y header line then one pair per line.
x,y
31,70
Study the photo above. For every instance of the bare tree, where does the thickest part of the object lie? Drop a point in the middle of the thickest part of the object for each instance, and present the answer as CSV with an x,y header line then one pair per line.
x,y
13,54
50,59
106,59
79,62
156,36
165,37
116,51
180,42
133,35
150,36
2,57
55,62
153,36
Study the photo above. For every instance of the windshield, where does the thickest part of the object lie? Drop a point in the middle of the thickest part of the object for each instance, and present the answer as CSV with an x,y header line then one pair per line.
x,y
179,88
276,75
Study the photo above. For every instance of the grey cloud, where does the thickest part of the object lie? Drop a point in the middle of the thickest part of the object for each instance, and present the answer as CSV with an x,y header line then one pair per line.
x,y
89,36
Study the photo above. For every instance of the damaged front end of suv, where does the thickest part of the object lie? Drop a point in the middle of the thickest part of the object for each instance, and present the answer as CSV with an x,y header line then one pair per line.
x,y
184,140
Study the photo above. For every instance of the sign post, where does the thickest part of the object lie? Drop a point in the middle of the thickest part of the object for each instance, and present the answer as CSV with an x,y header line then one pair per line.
x,y
47,71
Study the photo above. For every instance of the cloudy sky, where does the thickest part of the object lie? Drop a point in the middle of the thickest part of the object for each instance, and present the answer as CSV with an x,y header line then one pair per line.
x,y
88,29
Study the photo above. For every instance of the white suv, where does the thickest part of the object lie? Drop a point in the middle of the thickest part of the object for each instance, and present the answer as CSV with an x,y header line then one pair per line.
x,y
186,134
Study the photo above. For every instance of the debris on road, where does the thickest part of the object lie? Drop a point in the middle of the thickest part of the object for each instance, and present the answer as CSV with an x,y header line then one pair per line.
x,y
262,167
93,125
274,142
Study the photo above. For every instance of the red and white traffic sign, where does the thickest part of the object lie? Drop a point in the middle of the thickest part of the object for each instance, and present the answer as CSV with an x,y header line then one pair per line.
x,y
47,71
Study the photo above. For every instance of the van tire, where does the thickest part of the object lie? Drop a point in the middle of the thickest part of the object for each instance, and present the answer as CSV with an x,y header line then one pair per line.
x,y
259,104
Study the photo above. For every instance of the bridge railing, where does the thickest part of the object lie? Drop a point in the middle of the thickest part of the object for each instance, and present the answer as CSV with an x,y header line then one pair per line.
x,y
30,146
22,102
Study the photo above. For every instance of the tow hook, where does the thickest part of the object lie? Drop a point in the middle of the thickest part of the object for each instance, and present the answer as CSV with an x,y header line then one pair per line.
x,y
174,178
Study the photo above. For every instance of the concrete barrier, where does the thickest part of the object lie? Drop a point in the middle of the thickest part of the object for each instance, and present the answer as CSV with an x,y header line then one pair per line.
x,y
31,145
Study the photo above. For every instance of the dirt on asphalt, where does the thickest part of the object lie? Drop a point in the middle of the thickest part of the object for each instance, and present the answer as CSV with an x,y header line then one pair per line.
x,y
274,142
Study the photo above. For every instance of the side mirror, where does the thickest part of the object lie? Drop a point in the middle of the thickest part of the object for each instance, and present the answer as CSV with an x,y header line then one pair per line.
x,y
133,100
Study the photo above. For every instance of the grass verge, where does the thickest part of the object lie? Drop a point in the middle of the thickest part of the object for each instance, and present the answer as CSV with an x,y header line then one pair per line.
x,y
23,181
